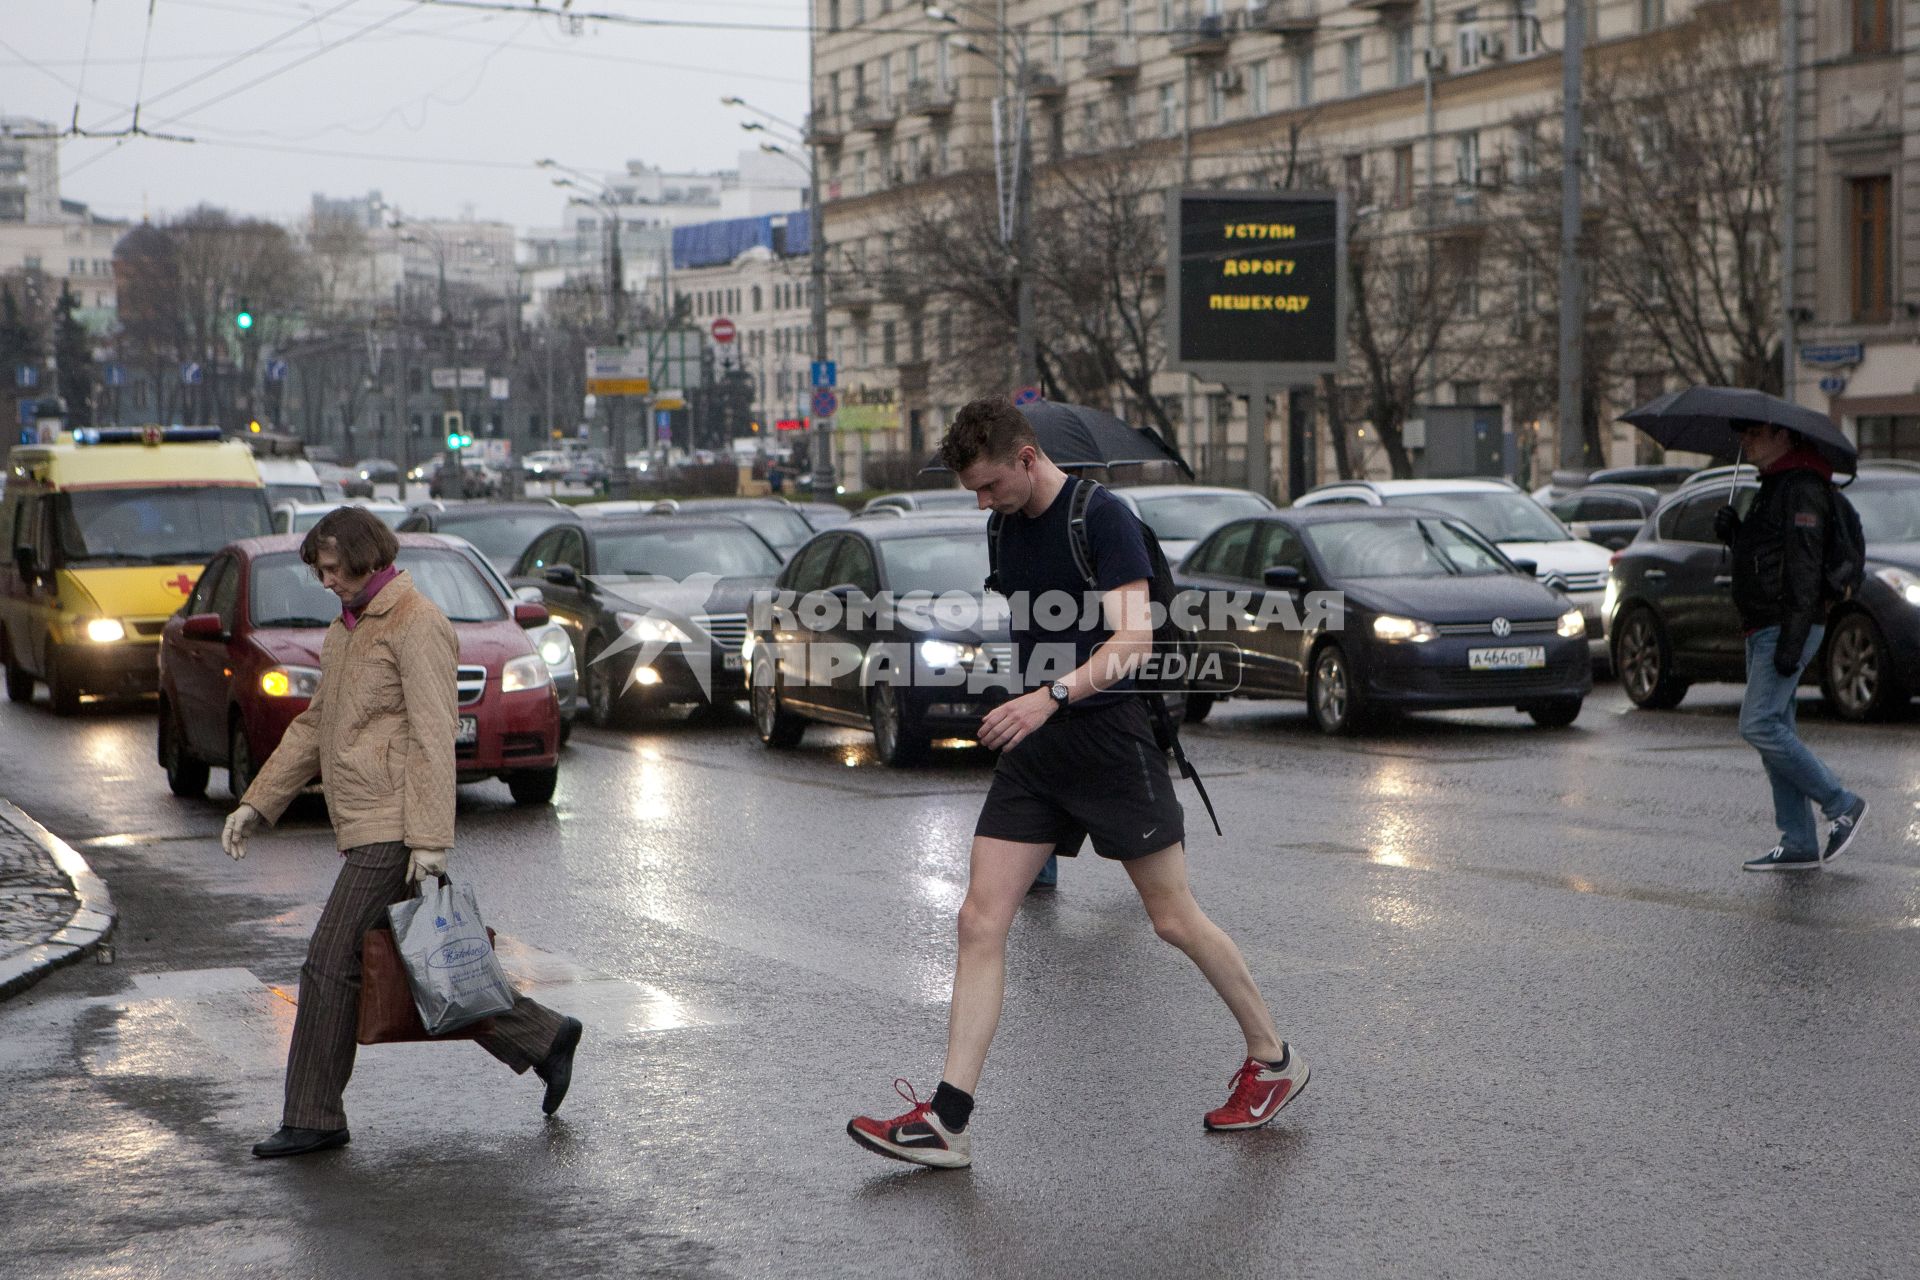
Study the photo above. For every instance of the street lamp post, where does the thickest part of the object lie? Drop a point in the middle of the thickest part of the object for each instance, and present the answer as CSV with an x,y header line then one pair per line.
x,y
619,482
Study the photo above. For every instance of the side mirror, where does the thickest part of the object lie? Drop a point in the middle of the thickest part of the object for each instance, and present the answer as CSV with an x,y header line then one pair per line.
x,y
1529,567
1284,577
532,595
204,626
529,614
563,575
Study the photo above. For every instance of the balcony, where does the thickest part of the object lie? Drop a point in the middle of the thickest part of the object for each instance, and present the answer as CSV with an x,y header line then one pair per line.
x,y
931,98
1383,6
1203,35
1283,17
824,130
1455,211
876,115
1113,59
1042,82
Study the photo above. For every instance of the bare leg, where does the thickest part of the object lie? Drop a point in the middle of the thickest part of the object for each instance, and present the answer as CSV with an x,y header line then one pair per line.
x,y
1161,879
997,883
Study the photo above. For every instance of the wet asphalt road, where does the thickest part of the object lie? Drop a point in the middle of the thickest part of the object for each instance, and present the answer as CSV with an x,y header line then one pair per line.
x,y
1554,1029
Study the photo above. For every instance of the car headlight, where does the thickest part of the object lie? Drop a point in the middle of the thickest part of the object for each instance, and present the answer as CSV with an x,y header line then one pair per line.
x,y
1906,585
529,671
1398,630
105,630
290,682
650,629
945,653
554,647
1572,625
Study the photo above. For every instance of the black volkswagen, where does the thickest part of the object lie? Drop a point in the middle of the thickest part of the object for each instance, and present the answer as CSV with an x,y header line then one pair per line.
x,y
656,606
1361,611
884,625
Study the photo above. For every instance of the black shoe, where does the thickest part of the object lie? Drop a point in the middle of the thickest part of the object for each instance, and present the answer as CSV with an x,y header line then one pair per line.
x,y
298,1142
1778,859
1844,829
557,1069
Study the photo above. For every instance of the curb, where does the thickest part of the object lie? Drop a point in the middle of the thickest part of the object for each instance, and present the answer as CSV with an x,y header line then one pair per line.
x,y
89,925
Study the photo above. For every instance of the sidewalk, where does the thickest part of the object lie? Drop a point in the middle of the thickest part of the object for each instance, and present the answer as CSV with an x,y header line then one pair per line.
x,y
53,909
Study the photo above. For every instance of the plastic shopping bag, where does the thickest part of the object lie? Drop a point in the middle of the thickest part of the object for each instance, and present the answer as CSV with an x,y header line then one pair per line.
x,y
450,965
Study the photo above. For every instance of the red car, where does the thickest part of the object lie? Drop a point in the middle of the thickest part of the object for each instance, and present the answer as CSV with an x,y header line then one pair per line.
x,y
241,659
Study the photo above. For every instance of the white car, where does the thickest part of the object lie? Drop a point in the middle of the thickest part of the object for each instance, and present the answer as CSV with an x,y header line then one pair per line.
x,y
544,462
298,517
1500,512
1182,514
291,480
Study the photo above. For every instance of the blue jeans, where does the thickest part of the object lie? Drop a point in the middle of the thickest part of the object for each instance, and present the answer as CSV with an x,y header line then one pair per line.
x,y
1798,778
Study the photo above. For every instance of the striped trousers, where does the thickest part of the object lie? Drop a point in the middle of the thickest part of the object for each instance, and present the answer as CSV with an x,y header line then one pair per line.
x,y
372,878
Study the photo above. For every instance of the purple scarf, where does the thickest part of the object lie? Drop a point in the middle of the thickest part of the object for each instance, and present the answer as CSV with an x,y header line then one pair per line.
x,y
350,611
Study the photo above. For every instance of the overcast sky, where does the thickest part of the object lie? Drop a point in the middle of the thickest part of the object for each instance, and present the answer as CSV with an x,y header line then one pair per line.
x,y
437,108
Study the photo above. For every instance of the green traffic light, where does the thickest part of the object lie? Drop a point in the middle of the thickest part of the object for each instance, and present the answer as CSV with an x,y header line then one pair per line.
x,y
243,320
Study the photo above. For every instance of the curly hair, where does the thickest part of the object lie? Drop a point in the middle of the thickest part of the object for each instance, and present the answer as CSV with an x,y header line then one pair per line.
x,y
989,428
364,543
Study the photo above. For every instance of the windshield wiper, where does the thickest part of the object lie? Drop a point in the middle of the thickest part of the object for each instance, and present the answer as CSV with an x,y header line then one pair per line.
x,y
1445,562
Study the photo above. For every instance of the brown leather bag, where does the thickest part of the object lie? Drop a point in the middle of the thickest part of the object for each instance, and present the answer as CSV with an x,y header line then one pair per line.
x,y
387,1012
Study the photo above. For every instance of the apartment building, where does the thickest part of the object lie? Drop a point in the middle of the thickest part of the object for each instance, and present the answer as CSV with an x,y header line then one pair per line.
x,y
754,272
1856,285
1426,113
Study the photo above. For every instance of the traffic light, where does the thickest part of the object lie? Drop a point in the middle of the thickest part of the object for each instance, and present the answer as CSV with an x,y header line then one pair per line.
x,y
254,426
456,426
243,318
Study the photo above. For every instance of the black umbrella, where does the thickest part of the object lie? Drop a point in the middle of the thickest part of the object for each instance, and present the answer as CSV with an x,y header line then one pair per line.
x,y
1073,435
1700,420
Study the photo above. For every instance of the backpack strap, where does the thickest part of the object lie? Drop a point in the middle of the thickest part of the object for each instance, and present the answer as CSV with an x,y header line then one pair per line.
x,y
1157,704
995,524
1077,537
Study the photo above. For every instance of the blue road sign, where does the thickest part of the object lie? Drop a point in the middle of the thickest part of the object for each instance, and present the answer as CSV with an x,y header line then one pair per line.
x,y
114,376
276,371
823,373
663,419
825,403
25,375
1832,355
190,374
27,419
1026,395
1833,384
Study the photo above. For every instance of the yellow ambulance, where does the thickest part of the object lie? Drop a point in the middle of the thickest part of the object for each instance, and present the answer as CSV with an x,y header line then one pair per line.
x,y
106,531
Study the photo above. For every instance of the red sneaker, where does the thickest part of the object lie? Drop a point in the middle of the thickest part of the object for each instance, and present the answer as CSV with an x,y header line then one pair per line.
x,y
917,1137
1259,1091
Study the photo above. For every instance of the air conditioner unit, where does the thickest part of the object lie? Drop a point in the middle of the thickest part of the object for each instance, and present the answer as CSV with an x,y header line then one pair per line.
x,y
1228,81
1493,47
1436,59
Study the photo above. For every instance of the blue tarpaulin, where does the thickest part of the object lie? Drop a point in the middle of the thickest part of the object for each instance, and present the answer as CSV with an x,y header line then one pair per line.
x,y
713,244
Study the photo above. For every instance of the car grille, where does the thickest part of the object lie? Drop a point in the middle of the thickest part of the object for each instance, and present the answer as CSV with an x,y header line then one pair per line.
x,y
1564,581
1486,628
148,626
471,682
729,630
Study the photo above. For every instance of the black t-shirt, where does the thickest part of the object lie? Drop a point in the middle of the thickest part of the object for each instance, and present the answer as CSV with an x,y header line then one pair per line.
x,y
1056,627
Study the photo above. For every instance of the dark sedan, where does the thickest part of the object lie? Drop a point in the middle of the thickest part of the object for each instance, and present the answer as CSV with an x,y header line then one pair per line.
x,y
772,518
1609,514
656,606
1361,611
1670,597
500,530
872,650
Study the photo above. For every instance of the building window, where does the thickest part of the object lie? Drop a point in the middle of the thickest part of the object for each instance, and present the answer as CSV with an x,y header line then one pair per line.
x,y
1089,125
1466,158
1350,66
1889,437
1467,40
1466,393
1169,122
1089,22
1872,26
859,12
1526,151
1303,76
1257,87
1354,171
833,15
1057,42
1166,15
1526,27
1653,13
1869,241
1217,97
1400,38
1402,176
945,329
887,345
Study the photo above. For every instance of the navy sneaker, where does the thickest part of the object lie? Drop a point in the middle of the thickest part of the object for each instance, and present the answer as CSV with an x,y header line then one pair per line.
x,y
1844,829
1778,859
1049,877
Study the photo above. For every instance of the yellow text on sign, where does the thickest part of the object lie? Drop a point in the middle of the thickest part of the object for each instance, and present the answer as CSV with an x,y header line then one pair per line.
x,y
1295,302
1257,267
1260,231
619,386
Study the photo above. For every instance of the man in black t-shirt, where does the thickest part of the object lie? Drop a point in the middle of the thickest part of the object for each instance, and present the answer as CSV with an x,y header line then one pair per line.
x,y
1077,759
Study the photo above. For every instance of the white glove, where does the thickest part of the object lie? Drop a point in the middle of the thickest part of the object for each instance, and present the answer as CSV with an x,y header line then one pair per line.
x,y
422,863
241,823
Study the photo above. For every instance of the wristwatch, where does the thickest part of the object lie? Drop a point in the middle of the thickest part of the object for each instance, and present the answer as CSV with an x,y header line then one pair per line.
x,y
1058,692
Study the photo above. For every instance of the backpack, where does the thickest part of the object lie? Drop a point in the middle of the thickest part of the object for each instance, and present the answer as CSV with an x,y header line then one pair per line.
x,y
1168,636
1844,566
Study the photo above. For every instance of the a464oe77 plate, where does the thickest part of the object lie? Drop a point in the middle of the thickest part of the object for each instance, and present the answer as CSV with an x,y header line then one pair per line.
x,y
1519,657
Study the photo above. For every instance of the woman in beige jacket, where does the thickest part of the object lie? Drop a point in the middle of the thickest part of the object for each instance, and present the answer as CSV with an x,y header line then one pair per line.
x,y
379,733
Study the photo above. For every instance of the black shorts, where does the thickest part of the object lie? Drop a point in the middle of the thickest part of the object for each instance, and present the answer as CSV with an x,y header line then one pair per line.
x,y
1094,772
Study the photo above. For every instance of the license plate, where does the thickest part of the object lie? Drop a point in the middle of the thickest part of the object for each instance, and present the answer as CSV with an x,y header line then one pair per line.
x,y
469,732
1515,658
731,662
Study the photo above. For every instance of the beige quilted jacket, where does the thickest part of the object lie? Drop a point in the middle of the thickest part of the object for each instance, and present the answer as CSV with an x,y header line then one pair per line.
x,y
380,729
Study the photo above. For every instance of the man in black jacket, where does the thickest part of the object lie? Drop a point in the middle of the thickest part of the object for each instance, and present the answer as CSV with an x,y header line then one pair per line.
x,y
1779,561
